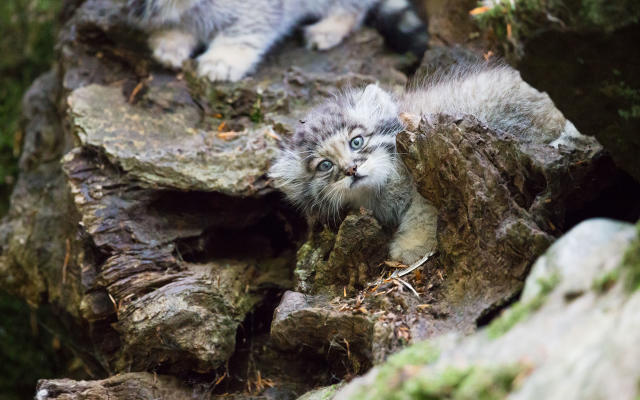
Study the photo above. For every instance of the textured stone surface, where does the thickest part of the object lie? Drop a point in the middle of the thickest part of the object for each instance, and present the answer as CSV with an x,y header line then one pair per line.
x,y
343,261
142,216
139,386
500,201
577,344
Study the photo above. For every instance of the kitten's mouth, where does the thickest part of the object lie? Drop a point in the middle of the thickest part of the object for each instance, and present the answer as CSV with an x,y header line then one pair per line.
x,y
355,179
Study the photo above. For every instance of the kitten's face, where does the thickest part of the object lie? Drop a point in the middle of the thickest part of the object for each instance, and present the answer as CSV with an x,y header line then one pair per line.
x,y
342,154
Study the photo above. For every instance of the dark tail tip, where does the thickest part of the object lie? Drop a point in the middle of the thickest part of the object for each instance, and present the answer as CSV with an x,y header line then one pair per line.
x,y
401,26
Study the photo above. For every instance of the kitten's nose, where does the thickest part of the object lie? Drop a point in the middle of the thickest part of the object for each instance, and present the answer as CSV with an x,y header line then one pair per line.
x,y
351,171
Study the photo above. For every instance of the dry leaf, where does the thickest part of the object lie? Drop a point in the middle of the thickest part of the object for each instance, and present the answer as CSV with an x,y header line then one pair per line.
x,y
479,10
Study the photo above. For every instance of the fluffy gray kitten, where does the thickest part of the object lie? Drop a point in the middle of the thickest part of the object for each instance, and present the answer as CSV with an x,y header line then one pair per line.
x,y
343,155
239,32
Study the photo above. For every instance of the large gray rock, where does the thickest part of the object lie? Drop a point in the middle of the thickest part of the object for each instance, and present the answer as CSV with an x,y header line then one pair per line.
x,y
571,336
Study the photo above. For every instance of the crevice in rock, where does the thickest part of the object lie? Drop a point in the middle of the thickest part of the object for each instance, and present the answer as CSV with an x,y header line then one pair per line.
x,y
620,201
494,311
292,374
271,235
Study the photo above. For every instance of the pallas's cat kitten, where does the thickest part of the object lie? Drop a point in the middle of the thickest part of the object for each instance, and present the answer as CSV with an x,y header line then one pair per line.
x,y
238,32
343,154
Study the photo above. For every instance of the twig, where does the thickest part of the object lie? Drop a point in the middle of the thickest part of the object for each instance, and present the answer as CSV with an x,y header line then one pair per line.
x,y
65,264
408,285
412,267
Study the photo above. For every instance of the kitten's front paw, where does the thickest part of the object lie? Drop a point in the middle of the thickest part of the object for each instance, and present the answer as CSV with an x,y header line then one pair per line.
x,y
408,250
224,65
327,33
171,48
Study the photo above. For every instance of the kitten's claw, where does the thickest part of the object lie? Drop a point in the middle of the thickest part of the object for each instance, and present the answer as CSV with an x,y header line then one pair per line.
x,y
218,70
225,64
318,40
329,32
171,48
402,272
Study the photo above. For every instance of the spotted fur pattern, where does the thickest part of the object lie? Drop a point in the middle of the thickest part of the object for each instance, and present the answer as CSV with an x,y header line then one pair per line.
x,y
372,175
238,32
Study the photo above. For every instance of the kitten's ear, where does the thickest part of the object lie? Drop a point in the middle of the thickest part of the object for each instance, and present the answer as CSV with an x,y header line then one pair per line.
x,y
378,102
375,93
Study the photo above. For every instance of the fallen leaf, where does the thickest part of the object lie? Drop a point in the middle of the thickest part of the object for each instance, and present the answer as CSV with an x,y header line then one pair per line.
x,y
479,10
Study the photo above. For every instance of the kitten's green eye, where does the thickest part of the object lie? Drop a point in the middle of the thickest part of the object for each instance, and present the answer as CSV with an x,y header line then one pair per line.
x,y
356,142
325,166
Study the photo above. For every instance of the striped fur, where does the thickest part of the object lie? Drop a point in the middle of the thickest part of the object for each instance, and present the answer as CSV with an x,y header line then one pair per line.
x,y
496,94
239,32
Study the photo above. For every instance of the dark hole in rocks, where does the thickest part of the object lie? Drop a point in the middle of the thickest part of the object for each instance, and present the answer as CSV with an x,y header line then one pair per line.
x,y
525,195
240,229
620,201
291,374
593,79
576,70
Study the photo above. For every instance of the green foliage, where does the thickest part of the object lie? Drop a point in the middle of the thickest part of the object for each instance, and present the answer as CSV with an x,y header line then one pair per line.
x,y
256,111
27,46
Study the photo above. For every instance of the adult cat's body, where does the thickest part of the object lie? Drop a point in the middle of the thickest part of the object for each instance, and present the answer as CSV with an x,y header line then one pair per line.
x,y
343,155
239,32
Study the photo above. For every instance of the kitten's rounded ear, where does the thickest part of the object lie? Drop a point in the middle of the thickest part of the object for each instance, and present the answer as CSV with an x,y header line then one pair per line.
x,y
376,93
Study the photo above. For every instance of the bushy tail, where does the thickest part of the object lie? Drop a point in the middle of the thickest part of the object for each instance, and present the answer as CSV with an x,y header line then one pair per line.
x,y
401,26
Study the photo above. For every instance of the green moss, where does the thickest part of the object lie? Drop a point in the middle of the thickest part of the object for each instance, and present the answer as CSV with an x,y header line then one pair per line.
x,y
631,263
520,311
256,114
605,282
473,383
419,354
326,393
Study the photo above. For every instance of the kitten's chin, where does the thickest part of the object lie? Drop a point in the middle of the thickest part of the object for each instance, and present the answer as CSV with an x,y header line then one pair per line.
x,y
357,181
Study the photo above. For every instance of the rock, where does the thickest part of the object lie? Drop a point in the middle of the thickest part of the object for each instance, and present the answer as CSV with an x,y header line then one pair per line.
x,y
449,22
160,145
140,386
142,217
500,201
322,393
307,322
346,261
572,345
575,259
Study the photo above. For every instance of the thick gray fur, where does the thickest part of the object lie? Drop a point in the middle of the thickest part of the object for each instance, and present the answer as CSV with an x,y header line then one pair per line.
x,y
239,32
495,94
